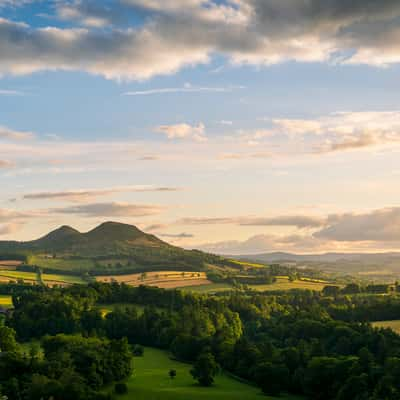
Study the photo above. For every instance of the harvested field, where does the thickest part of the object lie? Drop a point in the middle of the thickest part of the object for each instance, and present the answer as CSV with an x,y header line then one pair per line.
x,y
162,279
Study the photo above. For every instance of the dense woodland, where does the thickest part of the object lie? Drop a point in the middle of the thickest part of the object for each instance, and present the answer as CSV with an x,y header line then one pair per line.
x,y
307,343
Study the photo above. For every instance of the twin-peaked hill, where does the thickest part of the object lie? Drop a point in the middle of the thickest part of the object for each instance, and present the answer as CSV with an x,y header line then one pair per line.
x,y
110,246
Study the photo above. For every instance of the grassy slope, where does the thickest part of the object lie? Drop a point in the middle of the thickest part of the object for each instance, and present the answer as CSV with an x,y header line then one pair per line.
x,y
150,381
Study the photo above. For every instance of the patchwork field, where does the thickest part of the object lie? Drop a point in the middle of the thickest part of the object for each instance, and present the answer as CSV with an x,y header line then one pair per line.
x,y
394,325
32,277
150,381
282,283
15,275
162,279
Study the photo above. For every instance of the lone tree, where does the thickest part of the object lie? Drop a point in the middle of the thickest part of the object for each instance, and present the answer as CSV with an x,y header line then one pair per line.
x,y
205,369
172,373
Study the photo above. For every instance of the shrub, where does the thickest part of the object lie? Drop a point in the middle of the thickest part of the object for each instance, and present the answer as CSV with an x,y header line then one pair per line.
x,y
121,388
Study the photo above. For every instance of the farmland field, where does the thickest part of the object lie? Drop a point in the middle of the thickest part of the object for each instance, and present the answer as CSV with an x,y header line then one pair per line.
x,y
150,381
283,283
32,277
394,325
5,301
14,275
162,279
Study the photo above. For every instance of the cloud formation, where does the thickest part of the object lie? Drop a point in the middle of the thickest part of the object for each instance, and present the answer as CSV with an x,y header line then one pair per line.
x,y
378,225
11,134
179,33
183,131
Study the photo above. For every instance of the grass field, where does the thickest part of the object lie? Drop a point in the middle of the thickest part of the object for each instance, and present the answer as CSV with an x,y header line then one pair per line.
x,y
150,381
61,264
5,301
394,325
283,283
210,288
54,278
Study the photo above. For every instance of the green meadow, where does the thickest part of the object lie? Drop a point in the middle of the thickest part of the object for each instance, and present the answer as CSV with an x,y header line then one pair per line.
x,y
150,381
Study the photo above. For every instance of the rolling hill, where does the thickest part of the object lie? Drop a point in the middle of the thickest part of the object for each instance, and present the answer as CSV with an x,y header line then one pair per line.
x,y
109,248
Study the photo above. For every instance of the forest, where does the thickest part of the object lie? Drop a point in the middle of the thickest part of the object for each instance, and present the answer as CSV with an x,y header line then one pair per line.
x,y
306,343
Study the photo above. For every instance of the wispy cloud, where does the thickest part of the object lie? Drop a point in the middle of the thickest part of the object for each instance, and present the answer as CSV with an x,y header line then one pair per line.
x,y
86,194
187,88
5,92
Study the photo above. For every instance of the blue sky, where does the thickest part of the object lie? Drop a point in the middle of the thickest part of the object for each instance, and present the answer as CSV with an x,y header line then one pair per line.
x,y
239,127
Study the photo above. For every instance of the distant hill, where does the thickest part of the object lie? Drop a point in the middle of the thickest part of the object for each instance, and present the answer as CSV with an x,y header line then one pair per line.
x,y
377,267
325,257
110,246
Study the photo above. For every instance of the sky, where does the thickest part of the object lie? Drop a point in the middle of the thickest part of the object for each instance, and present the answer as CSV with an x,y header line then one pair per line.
x,y
232,126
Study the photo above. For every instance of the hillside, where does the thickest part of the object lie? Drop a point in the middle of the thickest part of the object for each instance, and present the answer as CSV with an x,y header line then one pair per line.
x,y
109,248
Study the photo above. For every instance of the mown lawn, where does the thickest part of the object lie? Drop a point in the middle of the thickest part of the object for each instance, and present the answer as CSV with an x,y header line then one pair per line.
x,y
150,381
394,325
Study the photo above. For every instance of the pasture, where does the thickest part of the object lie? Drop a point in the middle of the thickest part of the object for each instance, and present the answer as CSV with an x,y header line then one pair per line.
x,y
61,264
161,279
150,381
394,325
